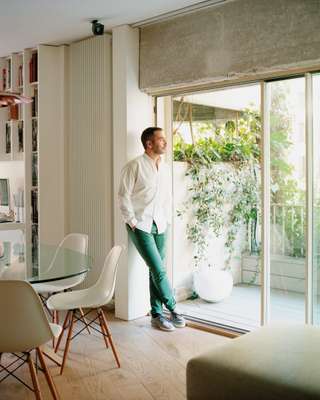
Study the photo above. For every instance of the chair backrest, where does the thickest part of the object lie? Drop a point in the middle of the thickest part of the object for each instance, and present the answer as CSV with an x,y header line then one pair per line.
x,y
77,242
104,287
23,322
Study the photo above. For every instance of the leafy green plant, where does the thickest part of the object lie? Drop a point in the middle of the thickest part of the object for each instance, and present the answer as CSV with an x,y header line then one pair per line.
x,y
224,167
222,171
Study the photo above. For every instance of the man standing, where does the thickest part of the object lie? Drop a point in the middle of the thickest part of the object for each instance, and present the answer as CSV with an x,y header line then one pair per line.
x,y
145,204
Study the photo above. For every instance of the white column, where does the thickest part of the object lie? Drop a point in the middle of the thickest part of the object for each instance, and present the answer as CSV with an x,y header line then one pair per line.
x,y
132,112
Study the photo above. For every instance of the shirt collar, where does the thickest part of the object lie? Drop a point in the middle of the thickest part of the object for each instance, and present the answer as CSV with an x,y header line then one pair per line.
x,y
145,155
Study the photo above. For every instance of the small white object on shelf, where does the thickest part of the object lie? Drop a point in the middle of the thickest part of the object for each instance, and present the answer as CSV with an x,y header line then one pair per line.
x,y
18,199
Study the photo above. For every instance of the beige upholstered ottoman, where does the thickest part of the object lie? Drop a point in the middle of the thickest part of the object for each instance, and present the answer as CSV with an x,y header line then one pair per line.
x,y
274,362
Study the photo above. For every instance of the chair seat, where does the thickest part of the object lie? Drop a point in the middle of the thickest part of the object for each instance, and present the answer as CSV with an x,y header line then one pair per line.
x,y
59,285
93,298
76,299
56,329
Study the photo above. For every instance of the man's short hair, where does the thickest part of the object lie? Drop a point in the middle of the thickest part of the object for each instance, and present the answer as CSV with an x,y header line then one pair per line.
x,y
148,133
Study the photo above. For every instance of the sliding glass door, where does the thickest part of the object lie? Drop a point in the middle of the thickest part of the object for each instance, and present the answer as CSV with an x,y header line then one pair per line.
x,y
316,197
216,190
245,238
285,109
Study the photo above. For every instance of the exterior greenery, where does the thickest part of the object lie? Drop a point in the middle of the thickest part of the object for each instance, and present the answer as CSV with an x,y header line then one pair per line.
x,y
224,169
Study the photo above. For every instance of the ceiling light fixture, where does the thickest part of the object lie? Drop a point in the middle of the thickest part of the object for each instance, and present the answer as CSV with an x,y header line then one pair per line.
x,y
11,99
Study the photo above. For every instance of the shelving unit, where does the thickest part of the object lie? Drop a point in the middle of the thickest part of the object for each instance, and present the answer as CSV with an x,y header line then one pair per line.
x,y
34,135
11,129
32,167
12,226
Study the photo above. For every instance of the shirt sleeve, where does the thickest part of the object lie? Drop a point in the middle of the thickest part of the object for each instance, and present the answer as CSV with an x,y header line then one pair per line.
x,y
127,182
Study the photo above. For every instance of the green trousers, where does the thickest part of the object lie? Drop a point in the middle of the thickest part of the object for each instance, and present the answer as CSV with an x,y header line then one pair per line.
x,y
151,247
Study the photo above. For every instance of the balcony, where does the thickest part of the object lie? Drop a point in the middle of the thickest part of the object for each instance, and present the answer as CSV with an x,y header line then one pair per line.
x,y
242,309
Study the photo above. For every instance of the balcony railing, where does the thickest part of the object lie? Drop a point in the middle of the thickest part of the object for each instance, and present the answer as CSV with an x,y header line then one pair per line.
x,y
288,230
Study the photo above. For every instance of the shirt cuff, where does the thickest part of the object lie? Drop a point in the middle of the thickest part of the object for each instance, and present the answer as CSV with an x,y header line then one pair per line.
x,y
133,222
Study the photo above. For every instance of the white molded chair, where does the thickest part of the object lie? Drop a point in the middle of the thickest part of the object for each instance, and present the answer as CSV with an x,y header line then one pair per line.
x,y
92,298
24,327
77,242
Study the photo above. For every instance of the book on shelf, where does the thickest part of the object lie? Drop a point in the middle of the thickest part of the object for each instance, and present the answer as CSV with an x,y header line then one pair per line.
x,y
8,138
6,76
34,104
4,79
14,111
33,68
20,136
20,75
34,135
34,169
34,206
9,73
35,244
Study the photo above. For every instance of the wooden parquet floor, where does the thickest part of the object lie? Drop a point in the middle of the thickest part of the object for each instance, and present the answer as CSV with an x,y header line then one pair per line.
x,y
153,365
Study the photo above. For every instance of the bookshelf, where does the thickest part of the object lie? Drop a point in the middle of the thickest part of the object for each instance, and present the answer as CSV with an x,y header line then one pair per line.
x,y
33,135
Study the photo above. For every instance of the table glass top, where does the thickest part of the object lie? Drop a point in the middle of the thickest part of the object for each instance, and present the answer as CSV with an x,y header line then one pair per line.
x,y
49,264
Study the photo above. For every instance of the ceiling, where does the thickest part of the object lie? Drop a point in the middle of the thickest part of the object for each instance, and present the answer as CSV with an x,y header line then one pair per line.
x,y
26,23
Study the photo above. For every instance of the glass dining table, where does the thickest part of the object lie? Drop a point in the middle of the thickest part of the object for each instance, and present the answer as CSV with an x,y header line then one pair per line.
x,y
51,264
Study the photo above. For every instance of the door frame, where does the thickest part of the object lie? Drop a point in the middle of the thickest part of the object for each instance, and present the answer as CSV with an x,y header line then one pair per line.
x,y
166,121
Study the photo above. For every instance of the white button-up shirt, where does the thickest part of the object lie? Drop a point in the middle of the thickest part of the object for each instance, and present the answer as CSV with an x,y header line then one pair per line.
x,y
145,194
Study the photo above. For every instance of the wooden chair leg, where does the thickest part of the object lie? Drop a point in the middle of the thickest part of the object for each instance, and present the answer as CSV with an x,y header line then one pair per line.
x,y
47,374
109,337
103,330
65,323
84,320
54,321
66,350
1,367
34,378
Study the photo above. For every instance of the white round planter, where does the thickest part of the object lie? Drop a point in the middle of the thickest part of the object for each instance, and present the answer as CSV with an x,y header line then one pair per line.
x,y
213,285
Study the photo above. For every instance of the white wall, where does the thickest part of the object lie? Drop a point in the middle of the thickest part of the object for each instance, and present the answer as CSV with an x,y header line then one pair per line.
x,y
132,112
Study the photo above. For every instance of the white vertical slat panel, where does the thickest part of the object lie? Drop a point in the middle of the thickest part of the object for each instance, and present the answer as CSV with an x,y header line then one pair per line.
x,y
89,190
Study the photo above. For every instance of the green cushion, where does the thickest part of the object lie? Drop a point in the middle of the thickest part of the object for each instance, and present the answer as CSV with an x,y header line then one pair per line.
x,y
274,362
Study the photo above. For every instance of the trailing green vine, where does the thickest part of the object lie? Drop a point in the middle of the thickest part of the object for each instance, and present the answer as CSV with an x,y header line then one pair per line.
x,y
224,190
223,174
